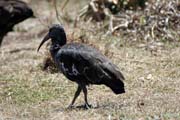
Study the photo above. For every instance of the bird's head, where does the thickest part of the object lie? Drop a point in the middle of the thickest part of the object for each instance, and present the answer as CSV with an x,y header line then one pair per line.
x,y
56,34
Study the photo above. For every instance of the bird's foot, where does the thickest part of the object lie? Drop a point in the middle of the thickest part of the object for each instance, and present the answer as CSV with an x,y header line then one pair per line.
x,y
87,106
70,107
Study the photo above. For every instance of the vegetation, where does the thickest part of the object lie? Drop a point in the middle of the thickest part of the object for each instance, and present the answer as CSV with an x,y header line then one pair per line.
x,y
151,68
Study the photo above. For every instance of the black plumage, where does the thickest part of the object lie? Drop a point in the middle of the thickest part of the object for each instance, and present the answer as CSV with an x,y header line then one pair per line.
x,y
12,12
82,64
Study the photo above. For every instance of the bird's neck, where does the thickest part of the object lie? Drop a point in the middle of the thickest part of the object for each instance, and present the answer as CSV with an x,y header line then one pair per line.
x,y
54,49
56,45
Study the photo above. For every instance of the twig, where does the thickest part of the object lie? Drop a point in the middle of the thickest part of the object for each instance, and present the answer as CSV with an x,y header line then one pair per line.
x,y
111,23
125,25
83,11
152,30
57,14
64,5
43,23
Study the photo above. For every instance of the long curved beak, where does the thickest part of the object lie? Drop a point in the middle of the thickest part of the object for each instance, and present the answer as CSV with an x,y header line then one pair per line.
x,y
43,41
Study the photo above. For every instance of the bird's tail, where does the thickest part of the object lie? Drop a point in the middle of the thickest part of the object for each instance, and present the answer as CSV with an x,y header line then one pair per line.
x,y
116,86
114,78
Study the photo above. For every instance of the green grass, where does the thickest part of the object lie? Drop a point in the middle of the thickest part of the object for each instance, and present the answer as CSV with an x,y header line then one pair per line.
x,y
152,88
23,93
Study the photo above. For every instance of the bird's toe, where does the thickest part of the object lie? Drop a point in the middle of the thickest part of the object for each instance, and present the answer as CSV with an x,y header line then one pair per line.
x,y
88,106
70,107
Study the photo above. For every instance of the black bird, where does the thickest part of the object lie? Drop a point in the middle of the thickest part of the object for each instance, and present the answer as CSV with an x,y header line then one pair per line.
x,y
12,12
82,64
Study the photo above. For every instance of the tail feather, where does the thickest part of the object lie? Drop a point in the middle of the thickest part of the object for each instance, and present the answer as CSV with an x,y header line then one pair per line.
x,y
114,80
116,86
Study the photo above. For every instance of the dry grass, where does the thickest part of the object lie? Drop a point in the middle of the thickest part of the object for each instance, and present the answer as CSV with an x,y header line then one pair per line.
x,y
152,81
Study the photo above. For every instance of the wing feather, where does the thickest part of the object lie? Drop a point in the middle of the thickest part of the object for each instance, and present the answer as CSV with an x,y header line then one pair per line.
x,y
89,63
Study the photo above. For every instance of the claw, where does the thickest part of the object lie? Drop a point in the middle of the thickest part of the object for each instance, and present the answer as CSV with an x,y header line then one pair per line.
x,y
88,106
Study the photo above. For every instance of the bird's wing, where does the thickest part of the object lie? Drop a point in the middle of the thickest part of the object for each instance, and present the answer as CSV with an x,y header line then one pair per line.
x,y
88,63
4,13
103,67
13,12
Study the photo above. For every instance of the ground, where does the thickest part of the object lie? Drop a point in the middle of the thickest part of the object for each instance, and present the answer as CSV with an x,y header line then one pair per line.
x,y
26,92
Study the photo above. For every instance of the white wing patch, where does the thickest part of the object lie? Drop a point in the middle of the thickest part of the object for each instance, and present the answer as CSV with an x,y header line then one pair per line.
x,y
63,67
72,72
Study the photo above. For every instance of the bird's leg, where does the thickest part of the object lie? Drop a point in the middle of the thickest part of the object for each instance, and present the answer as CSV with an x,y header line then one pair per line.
x,y
75,96
1,38
87,105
